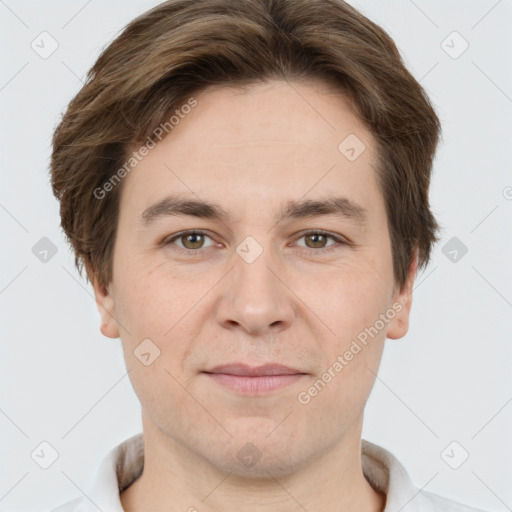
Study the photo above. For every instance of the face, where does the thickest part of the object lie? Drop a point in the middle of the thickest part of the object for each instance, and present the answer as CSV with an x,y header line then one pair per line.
x,y
271,280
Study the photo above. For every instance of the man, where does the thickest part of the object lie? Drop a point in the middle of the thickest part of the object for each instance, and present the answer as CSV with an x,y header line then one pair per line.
x,y
246,184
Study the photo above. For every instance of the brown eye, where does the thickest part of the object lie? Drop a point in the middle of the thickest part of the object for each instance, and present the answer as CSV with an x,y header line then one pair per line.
x,y
318,240
192,240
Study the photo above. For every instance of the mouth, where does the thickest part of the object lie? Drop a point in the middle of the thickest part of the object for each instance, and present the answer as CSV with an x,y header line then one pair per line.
x,y
254,380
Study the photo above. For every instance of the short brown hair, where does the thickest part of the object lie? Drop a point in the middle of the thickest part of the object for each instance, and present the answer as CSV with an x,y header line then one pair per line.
x,y
181,47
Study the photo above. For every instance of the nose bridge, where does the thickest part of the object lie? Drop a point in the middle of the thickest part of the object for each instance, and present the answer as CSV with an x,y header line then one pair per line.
x,y
254,298
252,267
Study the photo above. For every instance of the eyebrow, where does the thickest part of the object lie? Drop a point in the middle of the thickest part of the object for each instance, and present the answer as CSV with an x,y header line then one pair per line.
x,y
174,205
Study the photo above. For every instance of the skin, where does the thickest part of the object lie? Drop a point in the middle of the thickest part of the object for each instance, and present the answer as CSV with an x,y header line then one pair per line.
x,y
252,151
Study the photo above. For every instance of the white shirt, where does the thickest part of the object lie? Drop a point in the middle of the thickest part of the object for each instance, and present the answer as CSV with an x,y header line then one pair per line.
x,y
124,464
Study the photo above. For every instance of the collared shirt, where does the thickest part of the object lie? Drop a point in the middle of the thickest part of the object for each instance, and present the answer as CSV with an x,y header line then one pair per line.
x,y
124,464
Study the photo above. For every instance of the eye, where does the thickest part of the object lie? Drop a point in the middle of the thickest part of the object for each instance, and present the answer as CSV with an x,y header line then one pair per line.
x,y
190,240
318,240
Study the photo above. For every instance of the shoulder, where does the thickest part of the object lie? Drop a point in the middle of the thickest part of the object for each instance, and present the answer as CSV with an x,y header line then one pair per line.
x,y
80,504
119,468
74,505
388,475
446,505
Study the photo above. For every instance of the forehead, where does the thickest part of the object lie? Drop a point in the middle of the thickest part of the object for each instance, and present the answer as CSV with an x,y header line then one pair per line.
x,y
268,143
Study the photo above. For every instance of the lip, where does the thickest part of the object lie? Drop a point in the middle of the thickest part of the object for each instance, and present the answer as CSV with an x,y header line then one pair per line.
x,y
245,370
254,380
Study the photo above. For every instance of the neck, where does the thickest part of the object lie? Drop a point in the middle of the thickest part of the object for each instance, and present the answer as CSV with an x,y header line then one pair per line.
x,y
176,479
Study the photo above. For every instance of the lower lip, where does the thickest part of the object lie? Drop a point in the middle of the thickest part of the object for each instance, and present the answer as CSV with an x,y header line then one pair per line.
x,y
255,385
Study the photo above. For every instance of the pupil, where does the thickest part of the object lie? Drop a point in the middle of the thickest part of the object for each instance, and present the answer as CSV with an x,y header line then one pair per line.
x,y
316,237
193,238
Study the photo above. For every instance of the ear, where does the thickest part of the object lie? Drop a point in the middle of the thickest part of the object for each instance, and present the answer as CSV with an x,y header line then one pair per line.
x,y
402,302
106,307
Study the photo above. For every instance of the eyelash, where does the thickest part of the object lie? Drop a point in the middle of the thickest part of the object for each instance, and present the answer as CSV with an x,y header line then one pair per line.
x,y
339,241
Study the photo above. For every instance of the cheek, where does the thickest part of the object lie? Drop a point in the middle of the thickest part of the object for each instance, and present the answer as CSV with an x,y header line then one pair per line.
x,y
159,305
348,298
355,307
150,299
351,354
154,311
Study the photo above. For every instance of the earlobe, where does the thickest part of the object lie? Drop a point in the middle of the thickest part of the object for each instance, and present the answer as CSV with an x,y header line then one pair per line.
x,y
106,307
402,302
105,329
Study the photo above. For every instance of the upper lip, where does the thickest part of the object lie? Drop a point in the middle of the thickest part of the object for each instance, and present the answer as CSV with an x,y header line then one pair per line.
x,y
253,371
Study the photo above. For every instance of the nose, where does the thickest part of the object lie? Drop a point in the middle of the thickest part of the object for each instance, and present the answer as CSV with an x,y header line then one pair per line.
x,y
255,297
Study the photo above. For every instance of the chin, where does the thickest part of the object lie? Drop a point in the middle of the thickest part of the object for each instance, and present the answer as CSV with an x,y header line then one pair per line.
x,y
261,455
267,467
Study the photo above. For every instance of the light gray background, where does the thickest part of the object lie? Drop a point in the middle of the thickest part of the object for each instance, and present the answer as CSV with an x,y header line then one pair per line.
x,y
447,380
